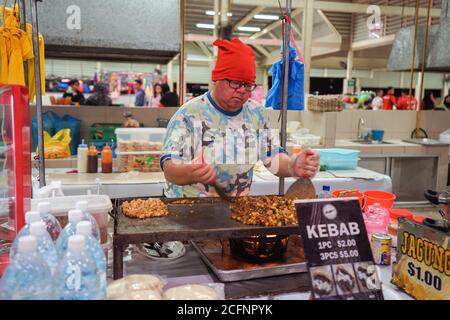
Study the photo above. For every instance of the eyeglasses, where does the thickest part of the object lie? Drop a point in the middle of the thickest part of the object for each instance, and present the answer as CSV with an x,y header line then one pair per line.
x,y
249,87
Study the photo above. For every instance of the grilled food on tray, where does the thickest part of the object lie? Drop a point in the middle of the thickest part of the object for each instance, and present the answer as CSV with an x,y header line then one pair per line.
x,y
266,211
142,209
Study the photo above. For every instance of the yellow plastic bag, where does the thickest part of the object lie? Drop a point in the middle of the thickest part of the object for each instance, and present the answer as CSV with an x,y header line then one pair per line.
x,y
57,146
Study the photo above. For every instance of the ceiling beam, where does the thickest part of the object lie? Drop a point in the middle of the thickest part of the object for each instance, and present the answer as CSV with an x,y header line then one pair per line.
x,y
204,48
328,23
272,35
274,25
373,43
344,6
248,17
262,50
206,39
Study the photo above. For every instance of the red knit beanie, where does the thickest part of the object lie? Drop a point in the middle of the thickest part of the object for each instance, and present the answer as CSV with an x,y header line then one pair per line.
x,y
235,61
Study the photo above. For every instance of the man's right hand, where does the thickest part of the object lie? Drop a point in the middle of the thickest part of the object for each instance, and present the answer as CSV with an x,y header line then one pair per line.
x,y
201,173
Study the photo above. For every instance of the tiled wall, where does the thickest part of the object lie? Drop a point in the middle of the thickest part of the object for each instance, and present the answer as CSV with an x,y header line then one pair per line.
x,y
90,115
396,124
328,125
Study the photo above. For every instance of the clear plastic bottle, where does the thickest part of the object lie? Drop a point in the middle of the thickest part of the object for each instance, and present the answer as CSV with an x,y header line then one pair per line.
x,y
28,276
83,206
325,193
70,229
45,245
93,246
77,277
376,219
53,225
30,217
82,157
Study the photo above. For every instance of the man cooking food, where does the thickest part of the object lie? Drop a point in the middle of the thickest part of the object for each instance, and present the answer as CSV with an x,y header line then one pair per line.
x,y
214,140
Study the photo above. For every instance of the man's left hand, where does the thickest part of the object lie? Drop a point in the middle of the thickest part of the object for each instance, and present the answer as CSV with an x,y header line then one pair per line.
x,y
306,164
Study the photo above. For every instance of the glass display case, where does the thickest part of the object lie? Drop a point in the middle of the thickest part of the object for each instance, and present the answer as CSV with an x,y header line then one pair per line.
x,y
15,166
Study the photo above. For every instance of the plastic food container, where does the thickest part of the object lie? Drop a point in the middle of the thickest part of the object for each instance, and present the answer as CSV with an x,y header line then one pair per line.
x,y
155,135
139,161
386,199
393,225
99,207
139,149
339,159
349,193
418,219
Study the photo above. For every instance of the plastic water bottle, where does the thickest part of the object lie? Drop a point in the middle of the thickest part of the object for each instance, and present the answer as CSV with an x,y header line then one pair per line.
x,y
325,193
53,225
93,246
45,245
376,219
83,206
70,229
28,276
76,277
30,217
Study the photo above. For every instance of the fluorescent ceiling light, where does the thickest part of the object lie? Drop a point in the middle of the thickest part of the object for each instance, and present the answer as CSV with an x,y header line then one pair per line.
x,y
250,29
212,13
266,17
204,26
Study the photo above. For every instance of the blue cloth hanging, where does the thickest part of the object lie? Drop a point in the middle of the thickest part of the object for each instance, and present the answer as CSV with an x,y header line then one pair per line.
x,y
296,91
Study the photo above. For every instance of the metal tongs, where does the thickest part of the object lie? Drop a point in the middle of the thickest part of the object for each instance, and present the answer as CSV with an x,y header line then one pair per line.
x,y
439,198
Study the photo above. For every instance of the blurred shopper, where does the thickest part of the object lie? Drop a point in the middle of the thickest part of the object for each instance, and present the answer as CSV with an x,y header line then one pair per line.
x,y
447,101
169,99
115,87
140,93
404,102
377,102
155,98
429,101
389,100
74,92
100,97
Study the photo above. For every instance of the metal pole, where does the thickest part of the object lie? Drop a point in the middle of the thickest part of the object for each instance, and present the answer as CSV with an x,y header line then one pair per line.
x,y
413,58
37,69
181,90
23,26
424,61
285,81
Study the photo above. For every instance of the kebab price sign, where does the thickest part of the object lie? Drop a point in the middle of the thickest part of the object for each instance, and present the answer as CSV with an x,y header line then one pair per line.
x,y
337,250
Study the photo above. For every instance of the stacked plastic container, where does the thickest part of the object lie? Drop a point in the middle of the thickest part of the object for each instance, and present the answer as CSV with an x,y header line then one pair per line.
x,y
339,159
139,149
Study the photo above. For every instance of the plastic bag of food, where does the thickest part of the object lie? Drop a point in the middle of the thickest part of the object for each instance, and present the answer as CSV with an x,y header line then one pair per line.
x,y
57,146
136,287
204,291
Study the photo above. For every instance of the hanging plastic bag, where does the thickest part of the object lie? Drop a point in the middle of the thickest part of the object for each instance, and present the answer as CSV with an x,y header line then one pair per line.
x,y
56,147
49,119
74,124
296,91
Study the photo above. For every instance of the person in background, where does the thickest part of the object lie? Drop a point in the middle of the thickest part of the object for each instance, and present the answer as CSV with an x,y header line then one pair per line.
x,y
447,101
389,100
140,93
377,102
169,99
429,101
129,121
74,92
115,87
196,91
100,97
155,98
403,102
